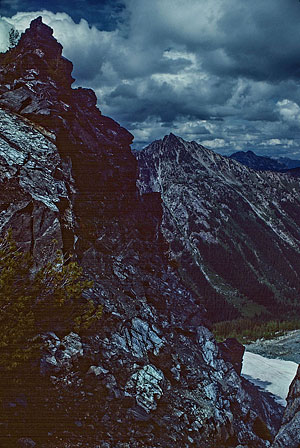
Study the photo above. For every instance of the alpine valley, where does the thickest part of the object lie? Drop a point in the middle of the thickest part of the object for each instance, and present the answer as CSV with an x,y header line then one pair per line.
x,y
187,238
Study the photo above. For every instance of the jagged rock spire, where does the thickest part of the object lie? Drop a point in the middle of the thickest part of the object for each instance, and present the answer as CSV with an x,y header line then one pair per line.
x,y
41,35
37,55
35,80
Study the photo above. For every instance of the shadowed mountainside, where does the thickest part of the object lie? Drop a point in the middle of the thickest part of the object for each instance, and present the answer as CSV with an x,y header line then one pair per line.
x,y
233,232
260,163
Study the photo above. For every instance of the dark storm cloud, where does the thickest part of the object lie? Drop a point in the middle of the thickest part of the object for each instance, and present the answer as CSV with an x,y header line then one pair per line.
x,y
104,14
261,38
163,97
223,72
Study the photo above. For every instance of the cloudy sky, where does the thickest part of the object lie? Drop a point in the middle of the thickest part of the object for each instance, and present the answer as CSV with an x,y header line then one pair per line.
x,y
225,73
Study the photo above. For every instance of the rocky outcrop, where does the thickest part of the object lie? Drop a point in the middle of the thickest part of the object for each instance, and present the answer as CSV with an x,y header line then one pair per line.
x,y
35,197
36,83
233,352
288,435
232,232
150,374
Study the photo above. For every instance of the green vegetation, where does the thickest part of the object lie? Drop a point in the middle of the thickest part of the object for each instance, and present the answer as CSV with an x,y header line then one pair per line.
x,y
247,330
50,300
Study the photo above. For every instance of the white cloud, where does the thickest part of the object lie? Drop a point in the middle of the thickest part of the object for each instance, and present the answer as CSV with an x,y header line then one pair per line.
x,y
274,141
289,110
86,46
283,142
215,143
5,27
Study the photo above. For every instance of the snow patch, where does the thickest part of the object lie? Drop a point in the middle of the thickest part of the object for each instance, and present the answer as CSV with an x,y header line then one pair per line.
x,y
271,375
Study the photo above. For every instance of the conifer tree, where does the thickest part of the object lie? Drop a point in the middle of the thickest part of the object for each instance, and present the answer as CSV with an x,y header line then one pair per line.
x,y
13,38
50,300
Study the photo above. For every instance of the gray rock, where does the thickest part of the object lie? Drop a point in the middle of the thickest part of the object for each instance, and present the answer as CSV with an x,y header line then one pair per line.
x,y
60,354
26,442
98,371
139,338
139,413
289,434
233,351
34,196
72,346
146,386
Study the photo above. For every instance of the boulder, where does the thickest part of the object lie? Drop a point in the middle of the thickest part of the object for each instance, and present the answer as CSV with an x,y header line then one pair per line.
x,y
233,351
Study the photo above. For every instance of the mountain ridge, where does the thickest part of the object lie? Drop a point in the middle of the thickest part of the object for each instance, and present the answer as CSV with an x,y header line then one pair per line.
x,y
263,163
215,213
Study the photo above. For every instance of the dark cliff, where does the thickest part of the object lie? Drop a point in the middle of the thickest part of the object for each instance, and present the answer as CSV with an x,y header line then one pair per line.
x,y
289,435
151,373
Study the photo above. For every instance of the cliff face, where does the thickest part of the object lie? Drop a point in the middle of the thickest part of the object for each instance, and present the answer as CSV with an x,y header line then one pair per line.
x,y
233,232
151,374
288,435
36,83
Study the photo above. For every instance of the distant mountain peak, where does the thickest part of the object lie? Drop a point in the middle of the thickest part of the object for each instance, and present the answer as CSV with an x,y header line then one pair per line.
x,y
264,163
260,163
172,138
